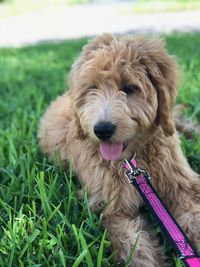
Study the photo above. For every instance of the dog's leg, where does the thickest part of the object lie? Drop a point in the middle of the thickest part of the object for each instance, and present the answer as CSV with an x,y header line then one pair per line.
x,y
124,231
54,127
187,212
190,223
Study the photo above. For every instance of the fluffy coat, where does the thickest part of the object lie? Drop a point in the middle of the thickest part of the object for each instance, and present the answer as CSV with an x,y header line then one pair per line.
x,y
145,126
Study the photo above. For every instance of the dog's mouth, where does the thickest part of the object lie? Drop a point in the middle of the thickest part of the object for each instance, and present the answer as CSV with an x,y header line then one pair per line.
x,y
111,151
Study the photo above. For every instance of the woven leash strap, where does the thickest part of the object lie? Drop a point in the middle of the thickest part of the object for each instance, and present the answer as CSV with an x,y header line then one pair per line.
x,y
173,232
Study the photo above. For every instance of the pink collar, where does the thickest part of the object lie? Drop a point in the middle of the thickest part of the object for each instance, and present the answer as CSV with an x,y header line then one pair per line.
x,y
175,235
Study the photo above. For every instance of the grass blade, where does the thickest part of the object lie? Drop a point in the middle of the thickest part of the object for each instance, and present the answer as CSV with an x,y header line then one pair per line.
x,y
100,253
62,258
29,241
80,258
85,247
132,252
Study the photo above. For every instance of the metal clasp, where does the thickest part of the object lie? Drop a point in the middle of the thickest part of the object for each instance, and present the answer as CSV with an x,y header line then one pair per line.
x,y
133,171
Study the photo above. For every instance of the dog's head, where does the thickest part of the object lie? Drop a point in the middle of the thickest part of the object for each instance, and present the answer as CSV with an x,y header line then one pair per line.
x,y
122,89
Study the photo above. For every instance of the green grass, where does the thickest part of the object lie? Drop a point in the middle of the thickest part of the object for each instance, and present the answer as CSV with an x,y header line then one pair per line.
x,y
42,222
10,8
158,6
20,7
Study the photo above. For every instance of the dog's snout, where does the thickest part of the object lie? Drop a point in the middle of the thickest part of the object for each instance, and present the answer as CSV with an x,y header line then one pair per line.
x,y
104,130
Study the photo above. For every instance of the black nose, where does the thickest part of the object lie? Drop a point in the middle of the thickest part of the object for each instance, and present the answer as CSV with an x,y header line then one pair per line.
x,y
104,130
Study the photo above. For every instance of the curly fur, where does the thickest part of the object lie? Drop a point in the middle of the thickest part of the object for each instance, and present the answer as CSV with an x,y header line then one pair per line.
x,y
144,121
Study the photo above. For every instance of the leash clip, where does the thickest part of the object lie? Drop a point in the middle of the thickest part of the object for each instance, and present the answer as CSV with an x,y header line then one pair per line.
x,y
133,172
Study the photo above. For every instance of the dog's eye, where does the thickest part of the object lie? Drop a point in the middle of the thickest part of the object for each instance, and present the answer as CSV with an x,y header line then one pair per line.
x,y
92,87
129,88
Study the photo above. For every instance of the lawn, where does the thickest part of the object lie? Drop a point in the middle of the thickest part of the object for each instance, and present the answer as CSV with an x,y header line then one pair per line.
x,y
42,223
20,7
159,6
23,7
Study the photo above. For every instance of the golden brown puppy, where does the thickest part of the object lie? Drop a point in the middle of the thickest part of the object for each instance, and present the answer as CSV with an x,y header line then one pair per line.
x,y
120,101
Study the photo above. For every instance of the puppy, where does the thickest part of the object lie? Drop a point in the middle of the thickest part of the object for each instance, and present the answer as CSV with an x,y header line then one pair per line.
x,y
120,100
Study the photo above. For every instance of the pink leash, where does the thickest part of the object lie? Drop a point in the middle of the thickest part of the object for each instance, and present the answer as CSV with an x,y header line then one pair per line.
x,y
179,241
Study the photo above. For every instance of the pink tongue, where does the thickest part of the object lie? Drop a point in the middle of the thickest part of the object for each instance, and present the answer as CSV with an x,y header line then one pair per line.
x,y
111,151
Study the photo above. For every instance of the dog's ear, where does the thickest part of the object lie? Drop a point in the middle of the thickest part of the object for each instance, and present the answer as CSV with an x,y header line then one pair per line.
x,y
98,42
162,71
79,131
